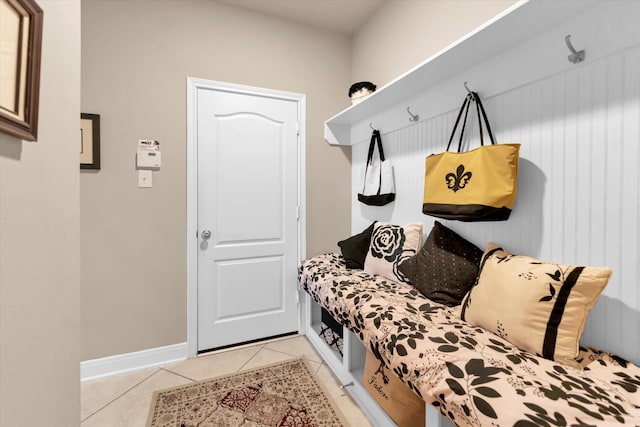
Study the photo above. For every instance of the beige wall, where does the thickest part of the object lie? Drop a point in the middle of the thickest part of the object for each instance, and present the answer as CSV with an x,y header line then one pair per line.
x,y
39,242
136,56
404,33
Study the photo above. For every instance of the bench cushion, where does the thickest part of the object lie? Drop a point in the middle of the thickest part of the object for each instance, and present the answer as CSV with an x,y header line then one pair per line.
x,y
474,377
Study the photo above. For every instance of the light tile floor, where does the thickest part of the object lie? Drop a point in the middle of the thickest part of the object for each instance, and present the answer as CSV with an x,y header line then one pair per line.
x,y
123,400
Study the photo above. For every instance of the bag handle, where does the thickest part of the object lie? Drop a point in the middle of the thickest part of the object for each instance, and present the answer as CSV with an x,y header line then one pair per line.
x,y
480,107
482,116
375,140
465,104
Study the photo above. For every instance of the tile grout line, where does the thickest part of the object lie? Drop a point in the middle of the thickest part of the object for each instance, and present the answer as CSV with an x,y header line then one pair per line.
x,y
120,395
264,347
260,347
281,352
213,355
249,360
320,361
167,370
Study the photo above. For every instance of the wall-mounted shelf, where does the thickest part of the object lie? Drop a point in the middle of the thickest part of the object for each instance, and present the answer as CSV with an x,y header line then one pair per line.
x,y
523,21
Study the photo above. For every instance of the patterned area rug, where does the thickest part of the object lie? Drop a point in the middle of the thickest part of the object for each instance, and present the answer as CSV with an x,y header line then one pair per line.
x,y
281,395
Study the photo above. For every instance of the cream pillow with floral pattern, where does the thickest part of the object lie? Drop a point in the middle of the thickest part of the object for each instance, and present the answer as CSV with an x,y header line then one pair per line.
x,y
538,306
390,245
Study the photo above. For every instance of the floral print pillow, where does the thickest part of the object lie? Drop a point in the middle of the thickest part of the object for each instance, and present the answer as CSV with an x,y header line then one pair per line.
x,y
538,306
390,245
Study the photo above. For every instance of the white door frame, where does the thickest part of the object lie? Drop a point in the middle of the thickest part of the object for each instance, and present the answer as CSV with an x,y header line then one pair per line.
x,y
193,85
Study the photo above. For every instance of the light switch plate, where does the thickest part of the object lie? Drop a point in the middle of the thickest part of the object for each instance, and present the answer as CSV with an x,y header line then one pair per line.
x,y
144,179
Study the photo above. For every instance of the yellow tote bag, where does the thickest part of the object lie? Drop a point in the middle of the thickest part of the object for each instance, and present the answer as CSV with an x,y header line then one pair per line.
x,y
476,185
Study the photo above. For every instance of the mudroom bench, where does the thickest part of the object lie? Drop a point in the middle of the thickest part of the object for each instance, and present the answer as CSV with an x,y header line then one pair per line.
x,y
470,375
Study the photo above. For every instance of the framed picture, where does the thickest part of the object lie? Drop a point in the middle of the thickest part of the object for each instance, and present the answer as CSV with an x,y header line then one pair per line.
x,y
20,50
89,141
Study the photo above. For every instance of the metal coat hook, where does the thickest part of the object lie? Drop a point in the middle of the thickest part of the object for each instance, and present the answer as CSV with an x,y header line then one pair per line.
x,y
414,117
371,126
470,94
575,57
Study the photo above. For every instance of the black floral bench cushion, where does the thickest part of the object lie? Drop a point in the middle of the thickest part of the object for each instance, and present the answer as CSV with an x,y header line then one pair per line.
x,y
474,377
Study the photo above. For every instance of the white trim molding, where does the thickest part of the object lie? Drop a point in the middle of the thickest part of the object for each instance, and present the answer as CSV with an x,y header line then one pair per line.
x,y
121,363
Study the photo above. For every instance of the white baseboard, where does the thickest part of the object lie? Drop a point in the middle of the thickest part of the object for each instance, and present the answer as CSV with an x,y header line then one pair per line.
x,y
120,363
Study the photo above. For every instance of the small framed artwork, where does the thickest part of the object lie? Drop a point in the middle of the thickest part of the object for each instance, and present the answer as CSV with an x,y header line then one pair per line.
x,y
89,141
20,50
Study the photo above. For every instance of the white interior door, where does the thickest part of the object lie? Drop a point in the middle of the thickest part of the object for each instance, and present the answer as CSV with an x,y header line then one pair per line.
x,y
247,214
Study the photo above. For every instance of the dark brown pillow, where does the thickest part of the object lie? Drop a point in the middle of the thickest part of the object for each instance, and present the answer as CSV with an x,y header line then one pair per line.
x,y
445,268
355,248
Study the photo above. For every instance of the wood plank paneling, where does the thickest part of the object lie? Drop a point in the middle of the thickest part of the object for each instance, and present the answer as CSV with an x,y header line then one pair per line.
x,y
579,189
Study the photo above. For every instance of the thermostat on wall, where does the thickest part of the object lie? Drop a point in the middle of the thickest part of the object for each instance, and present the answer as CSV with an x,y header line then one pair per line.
x,y
149,159
148,155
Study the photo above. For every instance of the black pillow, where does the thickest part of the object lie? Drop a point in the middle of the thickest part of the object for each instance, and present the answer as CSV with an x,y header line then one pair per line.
x,y
445,268
355,248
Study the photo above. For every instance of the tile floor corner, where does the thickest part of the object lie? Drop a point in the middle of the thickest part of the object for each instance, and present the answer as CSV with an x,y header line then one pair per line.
x,y
123,400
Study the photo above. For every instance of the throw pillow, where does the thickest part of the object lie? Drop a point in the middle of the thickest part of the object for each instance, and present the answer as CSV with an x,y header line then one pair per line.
x,y
390,245
445,268
538,306
355,248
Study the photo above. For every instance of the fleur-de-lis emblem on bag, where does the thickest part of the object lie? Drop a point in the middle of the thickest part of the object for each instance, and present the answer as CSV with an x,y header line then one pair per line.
x,y
458,180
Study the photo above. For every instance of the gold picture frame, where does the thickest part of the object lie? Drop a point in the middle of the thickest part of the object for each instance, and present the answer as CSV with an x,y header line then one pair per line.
x,y
20,51
89,141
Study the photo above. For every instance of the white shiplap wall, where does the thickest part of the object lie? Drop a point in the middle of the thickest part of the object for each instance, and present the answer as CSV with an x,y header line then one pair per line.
x,y
579,189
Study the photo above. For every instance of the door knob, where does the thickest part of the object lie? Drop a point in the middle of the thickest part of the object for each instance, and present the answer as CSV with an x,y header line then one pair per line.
x,y
206,234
